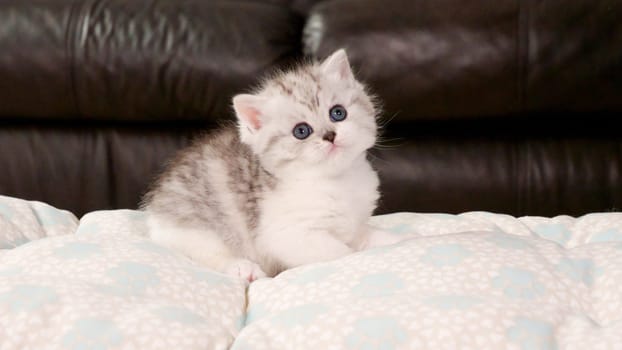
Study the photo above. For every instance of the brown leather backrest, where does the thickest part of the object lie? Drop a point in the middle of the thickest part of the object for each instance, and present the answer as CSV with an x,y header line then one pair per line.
x,y
445,59
140,59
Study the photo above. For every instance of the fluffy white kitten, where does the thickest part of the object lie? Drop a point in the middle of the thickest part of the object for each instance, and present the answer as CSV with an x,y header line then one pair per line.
x,y
291,185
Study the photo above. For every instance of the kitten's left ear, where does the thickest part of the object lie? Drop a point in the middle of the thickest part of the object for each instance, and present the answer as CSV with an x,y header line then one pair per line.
x,y
337,63
248,110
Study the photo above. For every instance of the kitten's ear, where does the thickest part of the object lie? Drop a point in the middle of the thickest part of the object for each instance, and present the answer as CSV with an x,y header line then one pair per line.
x,y
248,110
337,63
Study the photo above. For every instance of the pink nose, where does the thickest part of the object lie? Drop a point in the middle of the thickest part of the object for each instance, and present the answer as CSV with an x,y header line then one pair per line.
x,y
329,136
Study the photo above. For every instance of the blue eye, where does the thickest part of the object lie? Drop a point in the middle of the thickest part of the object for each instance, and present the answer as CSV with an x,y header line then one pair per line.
x,y
302,131
338,113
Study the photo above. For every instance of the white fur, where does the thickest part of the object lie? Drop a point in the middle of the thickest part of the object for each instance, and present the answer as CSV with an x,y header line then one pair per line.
x,y
312,217
203,246
199,244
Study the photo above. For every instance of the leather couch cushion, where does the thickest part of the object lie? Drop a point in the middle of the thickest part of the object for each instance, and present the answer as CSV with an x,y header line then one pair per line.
x,y
542,166
139,59
82,169
438,166
441,59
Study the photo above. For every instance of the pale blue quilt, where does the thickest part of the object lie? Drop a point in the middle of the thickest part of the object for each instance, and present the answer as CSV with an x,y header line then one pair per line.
x,y
471,281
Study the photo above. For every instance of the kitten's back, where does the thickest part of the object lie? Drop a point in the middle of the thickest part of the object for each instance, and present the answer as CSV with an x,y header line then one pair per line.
x,y
216,182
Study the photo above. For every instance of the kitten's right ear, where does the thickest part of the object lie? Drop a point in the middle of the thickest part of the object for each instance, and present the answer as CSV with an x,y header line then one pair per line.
x,y
337,63
248,110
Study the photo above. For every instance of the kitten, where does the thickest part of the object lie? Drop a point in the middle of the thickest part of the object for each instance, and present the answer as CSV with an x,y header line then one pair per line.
x,y
290,185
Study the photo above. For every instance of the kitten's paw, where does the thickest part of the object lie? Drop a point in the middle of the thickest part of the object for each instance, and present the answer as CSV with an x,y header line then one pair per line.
x,y
245,269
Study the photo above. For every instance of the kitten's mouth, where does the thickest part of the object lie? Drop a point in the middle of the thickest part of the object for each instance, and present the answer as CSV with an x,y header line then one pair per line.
x,y
332,149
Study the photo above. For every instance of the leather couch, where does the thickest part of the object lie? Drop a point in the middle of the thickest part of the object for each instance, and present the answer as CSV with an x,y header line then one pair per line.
x,y
508,106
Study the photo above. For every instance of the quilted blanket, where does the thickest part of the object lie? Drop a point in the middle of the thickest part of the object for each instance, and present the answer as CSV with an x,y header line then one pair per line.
x,y
476,280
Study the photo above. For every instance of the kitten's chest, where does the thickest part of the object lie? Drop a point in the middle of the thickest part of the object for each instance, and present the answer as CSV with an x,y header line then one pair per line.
x,y
340,205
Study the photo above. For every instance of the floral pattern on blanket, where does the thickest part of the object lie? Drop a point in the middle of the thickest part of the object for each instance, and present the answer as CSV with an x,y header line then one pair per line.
x,y
107,287
23,221
475,280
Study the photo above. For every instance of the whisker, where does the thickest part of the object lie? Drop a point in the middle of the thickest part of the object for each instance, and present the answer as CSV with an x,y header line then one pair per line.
x,y
382,124
387,139
377,158
389,143
386,148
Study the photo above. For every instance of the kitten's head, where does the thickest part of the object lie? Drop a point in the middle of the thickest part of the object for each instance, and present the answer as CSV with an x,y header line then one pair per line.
x,y
317,117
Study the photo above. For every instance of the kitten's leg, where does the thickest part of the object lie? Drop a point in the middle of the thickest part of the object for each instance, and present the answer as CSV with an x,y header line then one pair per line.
x,y
203,246
299,249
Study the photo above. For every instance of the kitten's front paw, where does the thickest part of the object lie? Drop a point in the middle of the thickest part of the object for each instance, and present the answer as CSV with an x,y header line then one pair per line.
x,y
245,269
